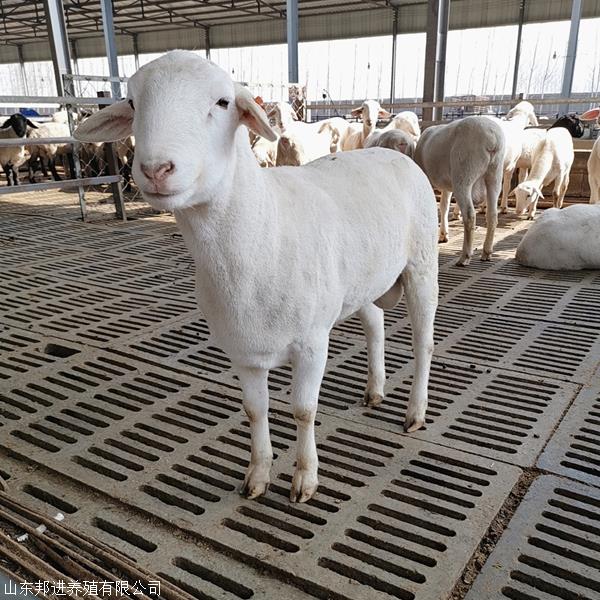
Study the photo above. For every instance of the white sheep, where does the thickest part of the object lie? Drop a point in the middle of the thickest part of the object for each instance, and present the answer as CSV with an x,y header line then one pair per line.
x,y
406,121
394,139
465,157
532,137
370,112
281,254
552,160
300,145
519,117
563,240
47,153
593,164
12,157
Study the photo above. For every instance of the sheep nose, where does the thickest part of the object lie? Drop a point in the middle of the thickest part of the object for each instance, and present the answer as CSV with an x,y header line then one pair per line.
x,y
158,173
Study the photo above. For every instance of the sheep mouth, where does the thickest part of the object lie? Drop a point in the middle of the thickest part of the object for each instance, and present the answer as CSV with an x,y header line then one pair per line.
x,y
165,200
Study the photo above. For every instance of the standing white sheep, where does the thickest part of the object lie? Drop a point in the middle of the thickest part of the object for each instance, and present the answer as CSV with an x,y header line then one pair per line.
x,y
593,164
552,160
563,240
281,254
370,112
519,117
465,157
532,138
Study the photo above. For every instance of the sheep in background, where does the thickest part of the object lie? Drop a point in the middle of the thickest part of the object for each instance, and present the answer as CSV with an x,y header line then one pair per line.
x,y
370,112
406,121
552,160
572,123
48,153
394,139
593,164
281,254
530,141
563,240
298,146
519,117
12,157
465,157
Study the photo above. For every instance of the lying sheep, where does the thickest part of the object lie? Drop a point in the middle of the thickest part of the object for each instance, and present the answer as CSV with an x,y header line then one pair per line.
x,y
394,139
563,240
370,112
551,162
593,164
465,157
12,157
281,254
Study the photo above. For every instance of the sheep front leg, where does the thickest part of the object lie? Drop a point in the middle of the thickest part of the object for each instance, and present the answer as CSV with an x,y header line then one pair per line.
x,y
308,369
372,321
421,289
256,404
444,209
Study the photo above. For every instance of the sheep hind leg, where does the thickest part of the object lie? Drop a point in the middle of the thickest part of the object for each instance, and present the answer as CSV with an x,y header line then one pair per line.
x,y
491,219
560,190
444,209
506,182
421,290
468,214
372,320
256,404
308,368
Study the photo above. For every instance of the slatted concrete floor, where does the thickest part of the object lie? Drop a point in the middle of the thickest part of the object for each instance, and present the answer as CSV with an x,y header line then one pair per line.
x,y
117,410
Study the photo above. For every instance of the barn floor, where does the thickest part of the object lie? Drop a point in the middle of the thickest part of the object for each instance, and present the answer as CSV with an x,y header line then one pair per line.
x,y
116,410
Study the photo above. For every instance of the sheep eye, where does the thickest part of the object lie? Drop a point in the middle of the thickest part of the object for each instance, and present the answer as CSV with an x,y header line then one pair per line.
x,y
223,103
130,101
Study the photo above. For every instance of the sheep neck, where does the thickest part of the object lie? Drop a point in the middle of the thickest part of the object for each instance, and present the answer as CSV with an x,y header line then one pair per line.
x,y
230,235
542,164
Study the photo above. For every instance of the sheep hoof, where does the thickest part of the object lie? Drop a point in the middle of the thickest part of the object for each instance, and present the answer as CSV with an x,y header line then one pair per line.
x,y
503,210
443,238
304,485
255,484
463,262
372,399
413,425
486,256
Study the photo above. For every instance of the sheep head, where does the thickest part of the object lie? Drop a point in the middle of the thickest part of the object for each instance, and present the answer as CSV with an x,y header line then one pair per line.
x,y
185,113
370,112
526,193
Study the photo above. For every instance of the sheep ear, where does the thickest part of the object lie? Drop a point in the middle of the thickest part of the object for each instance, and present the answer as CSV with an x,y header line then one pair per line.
x,y
539,191
32,125
591,115
513,192
357,112
8,123
110,124
252,115
384,114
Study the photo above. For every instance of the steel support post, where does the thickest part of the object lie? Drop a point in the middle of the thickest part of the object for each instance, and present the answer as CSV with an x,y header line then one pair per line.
x,y
59,43
292,39
110,44
438,13
567,83
207,42
393,75
136,51
513,94
22,68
